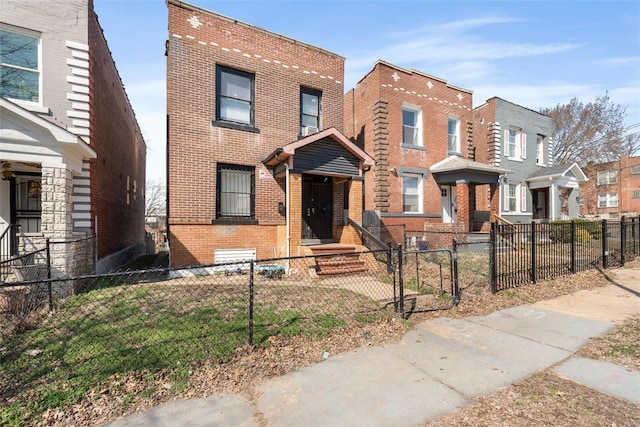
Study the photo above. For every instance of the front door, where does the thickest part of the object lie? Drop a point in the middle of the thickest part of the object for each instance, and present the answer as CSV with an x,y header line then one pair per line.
x,y
317,208
540,203
449,203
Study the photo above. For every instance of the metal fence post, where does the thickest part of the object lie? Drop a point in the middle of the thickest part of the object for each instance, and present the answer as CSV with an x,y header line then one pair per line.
x,y
533,252
400,280
49,285
605,245
251,303
454,266
573,247
493,280
623,239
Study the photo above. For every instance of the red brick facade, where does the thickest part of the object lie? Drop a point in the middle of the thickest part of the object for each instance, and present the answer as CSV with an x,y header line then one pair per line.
x,y
626,186
118,173
199,41
373,119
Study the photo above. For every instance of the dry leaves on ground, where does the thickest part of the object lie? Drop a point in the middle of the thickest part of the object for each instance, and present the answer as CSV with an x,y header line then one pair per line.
x,y
532,402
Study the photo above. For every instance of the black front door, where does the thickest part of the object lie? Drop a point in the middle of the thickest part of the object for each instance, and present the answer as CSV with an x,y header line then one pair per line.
x,y
317,207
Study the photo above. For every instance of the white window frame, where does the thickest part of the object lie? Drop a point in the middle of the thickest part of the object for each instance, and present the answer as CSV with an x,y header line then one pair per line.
x,y
540,148
518,142
417,127
419,191
608,200
36,35
519,198
456,134
607,177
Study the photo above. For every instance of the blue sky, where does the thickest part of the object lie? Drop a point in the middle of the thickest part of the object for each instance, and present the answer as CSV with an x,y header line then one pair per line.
x,y
533,53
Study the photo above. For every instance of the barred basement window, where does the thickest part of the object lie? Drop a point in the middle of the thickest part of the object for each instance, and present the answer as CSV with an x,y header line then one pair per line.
x,y
635,194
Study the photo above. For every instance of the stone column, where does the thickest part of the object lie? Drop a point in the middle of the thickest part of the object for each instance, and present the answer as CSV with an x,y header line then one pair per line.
x,y
57,221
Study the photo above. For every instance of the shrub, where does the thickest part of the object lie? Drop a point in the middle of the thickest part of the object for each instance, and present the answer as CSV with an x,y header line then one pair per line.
x,y
582,236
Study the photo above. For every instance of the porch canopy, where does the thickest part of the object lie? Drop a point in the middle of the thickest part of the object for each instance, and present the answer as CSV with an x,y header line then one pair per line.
x,y
327,152
454,169
28,138
566,175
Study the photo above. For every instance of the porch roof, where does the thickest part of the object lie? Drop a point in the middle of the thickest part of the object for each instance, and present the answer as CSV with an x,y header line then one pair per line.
x,y
455,163
557,171
29,138
282,154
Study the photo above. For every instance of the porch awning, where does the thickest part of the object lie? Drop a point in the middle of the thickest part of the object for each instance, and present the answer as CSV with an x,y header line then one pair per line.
x,y
327,152
455,168
27,137
565,175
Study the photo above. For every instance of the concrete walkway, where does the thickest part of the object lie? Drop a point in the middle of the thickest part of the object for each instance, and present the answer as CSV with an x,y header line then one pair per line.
x,y
434,370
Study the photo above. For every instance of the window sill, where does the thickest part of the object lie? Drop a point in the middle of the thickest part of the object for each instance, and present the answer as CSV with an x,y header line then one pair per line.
x,y
31,106
236,126
515,159
454,153
413,147
234,221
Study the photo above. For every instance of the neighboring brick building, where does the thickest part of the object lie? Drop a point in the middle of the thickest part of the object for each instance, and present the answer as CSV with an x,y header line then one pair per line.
x,y
72,154
257,163
417,128
518,139
613,189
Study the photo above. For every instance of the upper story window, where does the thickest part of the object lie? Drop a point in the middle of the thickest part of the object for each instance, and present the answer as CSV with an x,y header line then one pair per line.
x,y
609,200
310,109
635,170
540,150
412,193
235,96
411,126
515,144
20,69
454,134
235,191
607,177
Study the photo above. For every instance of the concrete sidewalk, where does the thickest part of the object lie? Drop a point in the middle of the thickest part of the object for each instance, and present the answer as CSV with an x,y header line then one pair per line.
x,y
436,368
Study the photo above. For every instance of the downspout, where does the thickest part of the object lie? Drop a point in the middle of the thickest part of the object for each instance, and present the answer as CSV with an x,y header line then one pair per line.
x,y
287,210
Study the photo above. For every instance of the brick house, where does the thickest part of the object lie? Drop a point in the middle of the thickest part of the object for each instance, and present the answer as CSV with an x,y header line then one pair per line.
x,y
518,139
613,189
418,128
257,162
71,152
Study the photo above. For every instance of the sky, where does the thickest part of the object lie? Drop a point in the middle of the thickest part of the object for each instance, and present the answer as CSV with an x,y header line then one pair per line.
x,y
537,54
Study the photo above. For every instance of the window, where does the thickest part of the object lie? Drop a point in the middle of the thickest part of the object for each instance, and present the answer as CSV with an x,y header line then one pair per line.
x,y
234,96
635,170
411,126
515,199
607,177
540,150
28,192
609,200
235,191
515,144
635,194
412,193
454,135
19,65
309,111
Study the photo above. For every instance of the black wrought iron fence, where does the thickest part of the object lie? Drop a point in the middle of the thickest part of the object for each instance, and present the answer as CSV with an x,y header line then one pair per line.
x,y
528,253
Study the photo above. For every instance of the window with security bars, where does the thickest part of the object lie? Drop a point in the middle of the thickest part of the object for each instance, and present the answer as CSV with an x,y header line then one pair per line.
x,y
635,194
235,191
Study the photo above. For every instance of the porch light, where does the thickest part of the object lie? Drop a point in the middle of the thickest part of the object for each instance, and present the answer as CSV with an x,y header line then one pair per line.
x,y
6,171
